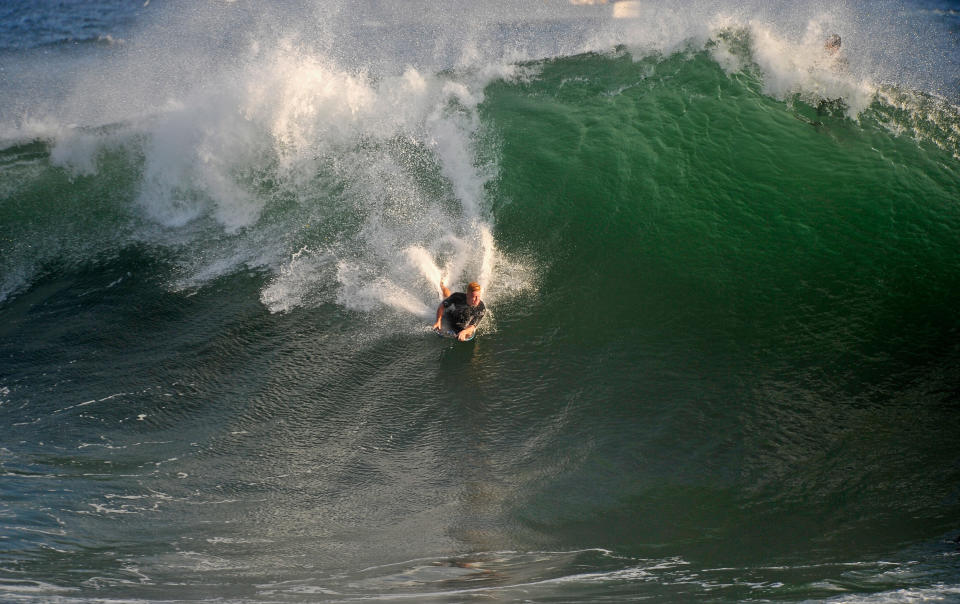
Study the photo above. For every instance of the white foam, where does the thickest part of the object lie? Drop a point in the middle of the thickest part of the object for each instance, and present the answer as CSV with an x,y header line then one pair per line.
x,y
804,67
296,282
936,593
422,259
12,587
195,163
30,128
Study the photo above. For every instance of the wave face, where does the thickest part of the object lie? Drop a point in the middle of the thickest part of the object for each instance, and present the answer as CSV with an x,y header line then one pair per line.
x,y
721,356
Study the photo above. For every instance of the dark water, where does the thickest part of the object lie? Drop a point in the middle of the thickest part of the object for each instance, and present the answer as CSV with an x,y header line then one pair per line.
x,y
721,360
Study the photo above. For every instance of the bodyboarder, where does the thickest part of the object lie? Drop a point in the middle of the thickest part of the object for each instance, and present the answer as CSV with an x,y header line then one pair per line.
x,y
462,311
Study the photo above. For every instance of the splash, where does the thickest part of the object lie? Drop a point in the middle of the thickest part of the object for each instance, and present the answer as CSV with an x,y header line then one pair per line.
x,y
408,188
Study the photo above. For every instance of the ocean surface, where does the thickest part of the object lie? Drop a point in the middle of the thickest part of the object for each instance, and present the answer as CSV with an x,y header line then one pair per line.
x,y
721,360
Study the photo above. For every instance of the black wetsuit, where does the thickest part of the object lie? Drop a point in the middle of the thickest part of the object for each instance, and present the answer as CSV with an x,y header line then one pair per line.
x,y
461,315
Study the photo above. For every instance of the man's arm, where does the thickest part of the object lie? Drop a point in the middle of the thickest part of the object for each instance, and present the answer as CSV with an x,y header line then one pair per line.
x,y
467,332
437,324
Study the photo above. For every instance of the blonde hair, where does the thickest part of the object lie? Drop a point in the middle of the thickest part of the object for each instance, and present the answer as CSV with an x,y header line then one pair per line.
x,y
473,286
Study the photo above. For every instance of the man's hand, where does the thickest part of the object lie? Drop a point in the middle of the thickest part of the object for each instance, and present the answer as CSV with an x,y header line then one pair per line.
x,y
464,335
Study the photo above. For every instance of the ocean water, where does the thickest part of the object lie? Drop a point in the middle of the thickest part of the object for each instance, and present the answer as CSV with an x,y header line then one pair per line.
x,y
721,361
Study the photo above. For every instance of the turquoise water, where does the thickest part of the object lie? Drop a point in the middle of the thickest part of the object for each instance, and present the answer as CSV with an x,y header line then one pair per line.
x,y
721,355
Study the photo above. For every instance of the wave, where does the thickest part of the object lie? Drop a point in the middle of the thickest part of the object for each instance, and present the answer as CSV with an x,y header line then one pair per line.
x,y
361,174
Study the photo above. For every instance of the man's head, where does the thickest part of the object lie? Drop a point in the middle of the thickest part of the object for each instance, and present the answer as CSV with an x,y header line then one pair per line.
x,y
832,45
473,293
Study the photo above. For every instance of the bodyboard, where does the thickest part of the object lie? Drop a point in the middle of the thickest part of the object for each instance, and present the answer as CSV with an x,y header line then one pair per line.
x,y
449,333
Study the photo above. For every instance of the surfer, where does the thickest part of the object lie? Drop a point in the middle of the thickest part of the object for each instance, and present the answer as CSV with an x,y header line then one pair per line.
x,y
832,45
463,311
833,54
833,60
